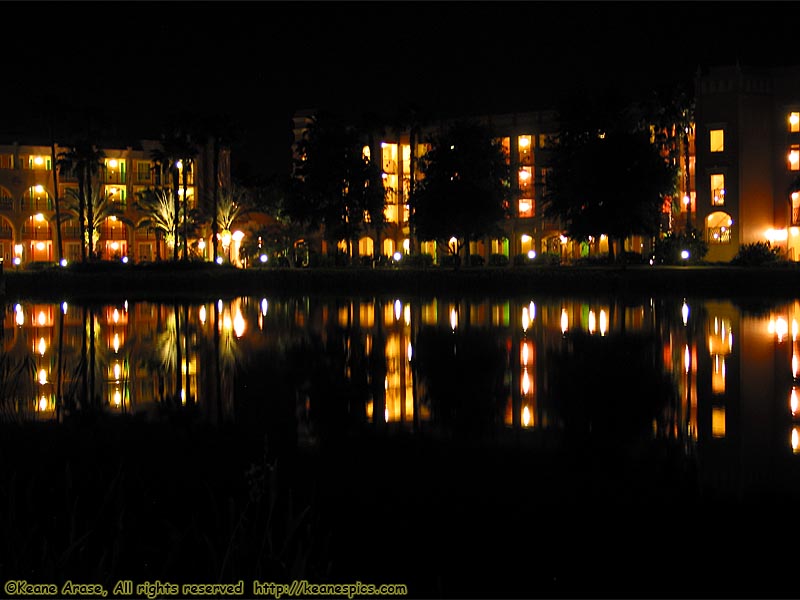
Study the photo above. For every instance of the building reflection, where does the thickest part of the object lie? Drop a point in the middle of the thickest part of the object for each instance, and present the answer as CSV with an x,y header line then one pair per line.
x,y
736,373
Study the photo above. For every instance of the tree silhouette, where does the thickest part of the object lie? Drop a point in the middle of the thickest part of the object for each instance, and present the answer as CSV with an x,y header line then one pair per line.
x,y
466,188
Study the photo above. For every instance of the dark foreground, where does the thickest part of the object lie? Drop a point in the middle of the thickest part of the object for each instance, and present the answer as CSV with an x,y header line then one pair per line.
x,y
205,280
100,501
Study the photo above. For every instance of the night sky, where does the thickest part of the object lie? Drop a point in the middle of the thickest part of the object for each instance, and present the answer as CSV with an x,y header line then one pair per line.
x,y
257,62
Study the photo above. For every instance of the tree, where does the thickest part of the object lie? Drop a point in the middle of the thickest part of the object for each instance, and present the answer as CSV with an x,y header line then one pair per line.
x,y
335,186
466,189
608,182
102,208
167,161
232,204
279,234
160,217
84,161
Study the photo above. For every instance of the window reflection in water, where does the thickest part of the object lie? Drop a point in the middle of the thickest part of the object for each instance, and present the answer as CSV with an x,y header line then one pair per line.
x,y
734,373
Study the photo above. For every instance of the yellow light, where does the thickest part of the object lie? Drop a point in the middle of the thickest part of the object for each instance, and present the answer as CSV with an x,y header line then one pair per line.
x,y
39,217
42,318
524,141
19,317
117,370
407,314
525,353
794,157
526,416
564,320
39,188
116,342
592,324
526,382
117,398
795,441
525,238
793,401
526,321
42,376
794,118
40,246
238,324
453,319
38,160
398,310
603,322
42,403
202,314
42,346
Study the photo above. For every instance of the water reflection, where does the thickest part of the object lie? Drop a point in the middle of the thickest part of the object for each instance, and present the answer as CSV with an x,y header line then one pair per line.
x,y
704,373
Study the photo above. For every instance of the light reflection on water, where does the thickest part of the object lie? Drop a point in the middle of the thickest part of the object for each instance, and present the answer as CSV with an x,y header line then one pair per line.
x,y
712,380
725,377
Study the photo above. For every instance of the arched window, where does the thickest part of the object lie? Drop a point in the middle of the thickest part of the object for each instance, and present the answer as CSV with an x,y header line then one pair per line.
x,y
718,228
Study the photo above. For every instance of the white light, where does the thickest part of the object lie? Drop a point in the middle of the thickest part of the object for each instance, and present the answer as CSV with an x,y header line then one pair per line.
x,y
531,254
219,260
263,258
684,254
397,256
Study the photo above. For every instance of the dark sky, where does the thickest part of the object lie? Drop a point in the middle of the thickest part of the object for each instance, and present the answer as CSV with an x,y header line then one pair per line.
x,y
257,62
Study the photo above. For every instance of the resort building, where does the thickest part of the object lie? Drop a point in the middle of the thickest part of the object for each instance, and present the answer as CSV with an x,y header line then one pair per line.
x,y
748,159
30,180
739,183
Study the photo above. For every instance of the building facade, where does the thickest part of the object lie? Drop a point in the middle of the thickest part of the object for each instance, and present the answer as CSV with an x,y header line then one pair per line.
x,y
748,159
30,181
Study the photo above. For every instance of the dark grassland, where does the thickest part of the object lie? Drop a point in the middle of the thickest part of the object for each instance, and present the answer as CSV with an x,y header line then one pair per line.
x,y
204,280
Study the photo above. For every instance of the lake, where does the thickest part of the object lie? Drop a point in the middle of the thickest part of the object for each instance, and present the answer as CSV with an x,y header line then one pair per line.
x,y
518,447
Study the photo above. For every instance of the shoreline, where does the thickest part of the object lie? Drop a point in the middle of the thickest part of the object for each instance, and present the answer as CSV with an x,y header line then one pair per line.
x,y
169,281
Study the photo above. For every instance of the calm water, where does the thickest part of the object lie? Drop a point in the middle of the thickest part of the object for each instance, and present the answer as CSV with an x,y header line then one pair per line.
x,y
526,447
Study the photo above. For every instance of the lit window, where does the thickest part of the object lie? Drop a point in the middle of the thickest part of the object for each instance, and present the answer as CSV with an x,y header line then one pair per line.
x,y
718,228
718,421
526,207
717,140
794,158
524,149
794,122
718,189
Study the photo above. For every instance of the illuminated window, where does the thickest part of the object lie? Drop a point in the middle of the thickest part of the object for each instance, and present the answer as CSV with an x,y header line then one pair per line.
x,y
525,179
718,189
524,142
795,196
794,157
717,140
526,207
389,152
794,122
718,228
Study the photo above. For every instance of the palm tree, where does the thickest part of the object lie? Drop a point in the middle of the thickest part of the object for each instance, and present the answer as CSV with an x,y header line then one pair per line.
x,y
84,160
102,207
167,159
158,206
232,204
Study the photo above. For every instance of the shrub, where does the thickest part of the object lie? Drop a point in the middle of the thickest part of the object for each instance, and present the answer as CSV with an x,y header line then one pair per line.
x,y
417,260
476,260
498,260
450,260
668,249
757,254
